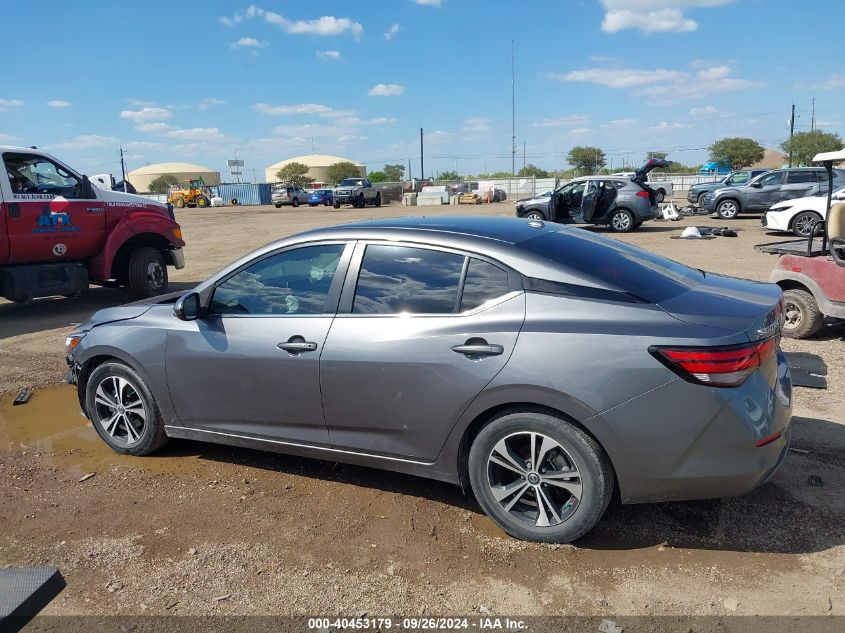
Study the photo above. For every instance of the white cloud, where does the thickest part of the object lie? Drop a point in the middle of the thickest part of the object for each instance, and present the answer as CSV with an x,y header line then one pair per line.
x,y
653,16
318,109
476,125
87,141
665,125
710,112
379,120
619,123
663,84
205,104
392,31
326,25
569,120
249,42
834,82
328,54
429,3
206,134
6,104
154,128
580,130
386,90
59,103
147,114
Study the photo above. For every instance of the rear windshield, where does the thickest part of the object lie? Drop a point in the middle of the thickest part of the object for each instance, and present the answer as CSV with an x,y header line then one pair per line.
x,y
615,265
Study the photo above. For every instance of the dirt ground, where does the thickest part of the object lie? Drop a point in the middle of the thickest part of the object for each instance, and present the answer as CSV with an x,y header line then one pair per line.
x,y
206,530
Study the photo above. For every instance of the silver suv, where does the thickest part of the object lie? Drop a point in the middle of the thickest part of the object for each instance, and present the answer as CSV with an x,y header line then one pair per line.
x,y
770,188
288,194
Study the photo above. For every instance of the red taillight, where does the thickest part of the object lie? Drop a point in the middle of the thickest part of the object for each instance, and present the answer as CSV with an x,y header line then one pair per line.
x,y
717,366
642,194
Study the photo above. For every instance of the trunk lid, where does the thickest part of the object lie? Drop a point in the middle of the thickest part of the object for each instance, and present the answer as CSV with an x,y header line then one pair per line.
x,y
753,308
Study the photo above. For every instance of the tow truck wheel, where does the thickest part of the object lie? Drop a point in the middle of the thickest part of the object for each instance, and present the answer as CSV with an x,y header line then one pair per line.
x,y
202,201
803,318
179,202
147,273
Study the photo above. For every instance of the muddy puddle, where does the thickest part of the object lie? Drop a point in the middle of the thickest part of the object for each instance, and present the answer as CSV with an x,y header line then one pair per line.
x,y
52,425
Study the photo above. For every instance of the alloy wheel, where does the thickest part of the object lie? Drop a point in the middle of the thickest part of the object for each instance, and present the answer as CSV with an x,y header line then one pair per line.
x,y
534,215
534,479
728,209
119,410
621,221
805,223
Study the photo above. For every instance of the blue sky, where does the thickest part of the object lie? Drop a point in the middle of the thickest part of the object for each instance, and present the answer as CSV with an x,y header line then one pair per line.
x,y
189,80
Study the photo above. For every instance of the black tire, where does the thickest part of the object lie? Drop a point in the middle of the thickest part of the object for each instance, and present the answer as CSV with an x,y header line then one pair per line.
x,y
202,201
361,203
336,205
152,435
699,201
378,199
295,202
660,195
804,223
179,202
593,468
278,206
535,215
727,209
803,317
622,221
147,273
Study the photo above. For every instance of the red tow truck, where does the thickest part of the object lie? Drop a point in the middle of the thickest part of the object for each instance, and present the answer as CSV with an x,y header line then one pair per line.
x,y
59,232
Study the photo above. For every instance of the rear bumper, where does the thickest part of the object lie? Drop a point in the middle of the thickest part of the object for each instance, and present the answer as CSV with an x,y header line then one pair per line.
x,y
684,441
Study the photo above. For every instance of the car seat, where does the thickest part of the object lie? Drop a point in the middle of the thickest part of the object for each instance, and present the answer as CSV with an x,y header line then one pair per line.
x,y
836,232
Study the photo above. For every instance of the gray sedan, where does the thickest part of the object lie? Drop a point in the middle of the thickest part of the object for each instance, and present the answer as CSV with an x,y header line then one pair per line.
x,y
540,366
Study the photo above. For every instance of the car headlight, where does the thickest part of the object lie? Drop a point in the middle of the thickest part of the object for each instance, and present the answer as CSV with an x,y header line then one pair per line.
x,y
781,207
72,341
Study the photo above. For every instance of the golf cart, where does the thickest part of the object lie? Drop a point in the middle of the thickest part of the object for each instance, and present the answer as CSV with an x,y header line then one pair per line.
x,y
811,272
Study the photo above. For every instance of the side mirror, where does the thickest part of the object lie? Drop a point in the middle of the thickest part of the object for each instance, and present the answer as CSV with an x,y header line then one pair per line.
x,y
188,307
87,188
756,185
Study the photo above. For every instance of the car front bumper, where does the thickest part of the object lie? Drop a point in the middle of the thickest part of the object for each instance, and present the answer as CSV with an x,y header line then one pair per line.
x,y
692,196
776,220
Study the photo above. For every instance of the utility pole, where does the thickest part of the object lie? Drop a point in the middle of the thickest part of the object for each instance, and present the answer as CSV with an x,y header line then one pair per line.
x,y
513,111
813,120
791,132
123,169
422,164
410,177
523,154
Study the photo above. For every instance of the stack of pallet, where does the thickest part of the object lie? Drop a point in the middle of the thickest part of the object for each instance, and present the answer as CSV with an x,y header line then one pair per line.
x,y
469,198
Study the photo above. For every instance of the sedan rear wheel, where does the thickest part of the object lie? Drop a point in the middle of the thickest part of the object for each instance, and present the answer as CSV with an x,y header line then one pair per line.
x,y
123,410
539,477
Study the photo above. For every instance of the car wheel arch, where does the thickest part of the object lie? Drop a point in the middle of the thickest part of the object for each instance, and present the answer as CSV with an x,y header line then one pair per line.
x,y
98,356
481,420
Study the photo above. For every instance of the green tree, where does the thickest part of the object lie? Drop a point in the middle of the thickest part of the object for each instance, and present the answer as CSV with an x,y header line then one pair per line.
x,y
344,169
805,145
586,158
294,173
738,151
532,170
501,174
161,184
377,176
448,175
394,173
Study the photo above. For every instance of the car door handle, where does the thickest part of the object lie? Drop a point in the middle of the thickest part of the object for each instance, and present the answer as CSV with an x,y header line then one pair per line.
x,y
297,345
478,349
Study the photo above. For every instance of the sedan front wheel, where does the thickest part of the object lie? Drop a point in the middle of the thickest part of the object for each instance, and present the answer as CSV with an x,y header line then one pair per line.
x,y
539,477
123,411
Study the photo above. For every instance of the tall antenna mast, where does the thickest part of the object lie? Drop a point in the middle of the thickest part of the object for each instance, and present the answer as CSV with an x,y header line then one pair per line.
x,y
513,111
813,120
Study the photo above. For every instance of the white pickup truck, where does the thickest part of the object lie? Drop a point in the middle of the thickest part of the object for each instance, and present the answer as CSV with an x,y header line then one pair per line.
x,y
359,192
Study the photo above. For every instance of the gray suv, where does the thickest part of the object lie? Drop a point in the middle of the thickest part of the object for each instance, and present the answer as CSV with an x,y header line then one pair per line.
x,y
544,368
739,177
288,194
772,187
621,202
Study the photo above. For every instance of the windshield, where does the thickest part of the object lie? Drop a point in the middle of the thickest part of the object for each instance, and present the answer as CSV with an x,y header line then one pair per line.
x,y
350,182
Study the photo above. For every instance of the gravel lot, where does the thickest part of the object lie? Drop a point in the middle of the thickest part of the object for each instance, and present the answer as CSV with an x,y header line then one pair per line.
x,y
206,530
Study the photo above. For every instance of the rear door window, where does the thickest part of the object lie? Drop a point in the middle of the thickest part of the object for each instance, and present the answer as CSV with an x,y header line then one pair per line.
x,y
801,176
484,282
407,280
